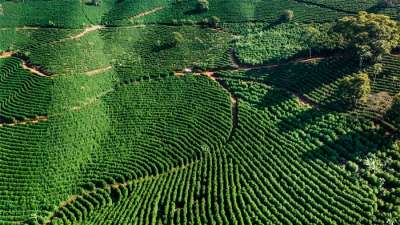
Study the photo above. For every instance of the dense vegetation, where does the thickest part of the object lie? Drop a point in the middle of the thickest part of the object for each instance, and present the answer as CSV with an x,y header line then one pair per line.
x,y
199,112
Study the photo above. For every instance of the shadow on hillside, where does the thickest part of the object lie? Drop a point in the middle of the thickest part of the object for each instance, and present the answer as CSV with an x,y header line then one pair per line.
x,y
375,9
350,146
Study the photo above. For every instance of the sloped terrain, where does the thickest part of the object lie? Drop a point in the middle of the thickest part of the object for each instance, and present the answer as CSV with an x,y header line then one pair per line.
x,y
140,112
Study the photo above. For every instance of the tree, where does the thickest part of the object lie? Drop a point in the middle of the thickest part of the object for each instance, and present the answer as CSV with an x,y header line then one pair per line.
x,y
377,69
287,15
177,38
354,88
312,37
202,5
212,21
393,114
368,35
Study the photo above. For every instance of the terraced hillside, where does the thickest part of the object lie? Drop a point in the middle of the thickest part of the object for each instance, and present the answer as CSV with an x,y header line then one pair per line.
x,y
157,112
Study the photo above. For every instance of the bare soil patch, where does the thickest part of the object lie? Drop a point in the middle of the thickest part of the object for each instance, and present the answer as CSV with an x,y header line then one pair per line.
x,y
6,54
34,69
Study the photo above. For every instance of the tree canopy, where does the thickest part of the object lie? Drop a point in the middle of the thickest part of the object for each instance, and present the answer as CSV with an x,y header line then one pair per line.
x,y
202,5
287,15
369,35
393,114
354,88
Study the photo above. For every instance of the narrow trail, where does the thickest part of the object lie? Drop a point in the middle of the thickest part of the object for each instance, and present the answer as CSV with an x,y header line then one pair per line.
x,y
73,198
234,101
34,70
146,13
38,119
99,70
86,31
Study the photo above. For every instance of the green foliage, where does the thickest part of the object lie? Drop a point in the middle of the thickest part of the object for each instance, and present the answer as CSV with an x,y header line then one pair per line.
x,y
281,42
287,15
177,38
134,144
202,5
212,22
369,35
393,115
352,166
353,89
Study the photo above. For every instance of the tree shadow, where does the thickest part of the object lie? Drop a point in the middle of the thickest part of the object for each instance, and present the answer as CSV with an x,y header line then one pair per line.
x,y
350,146
375,9
192,12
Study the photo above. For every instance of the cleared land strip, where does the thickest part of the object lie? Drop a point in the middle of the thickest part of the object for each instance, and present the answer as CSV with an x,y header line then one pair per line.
x,y
25,122
99,70
34,70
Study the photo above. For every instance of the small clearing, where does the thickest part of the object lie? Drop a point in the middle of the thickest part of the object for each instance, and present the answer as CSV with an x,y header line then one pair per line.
x,y
146,13
97,71
25,122
304,100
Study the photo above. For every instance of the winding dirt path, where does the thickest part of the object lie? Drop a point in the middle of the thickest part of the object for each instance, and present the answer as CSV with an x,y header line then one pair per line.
x,y
146,13
86,31
25,65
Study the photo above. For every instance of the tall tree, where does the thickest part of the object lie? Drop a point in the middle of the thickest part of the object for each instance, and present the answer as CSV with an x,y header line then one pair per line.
x,y
312,36
368,35
287,15
354,88
377,69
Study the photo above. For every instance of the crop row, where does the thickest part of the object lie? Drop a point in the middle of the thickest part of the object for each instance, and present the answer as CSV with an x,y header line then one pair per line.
x,y
22,95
